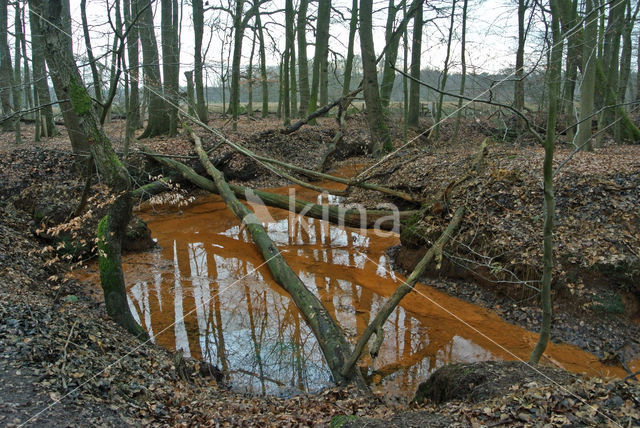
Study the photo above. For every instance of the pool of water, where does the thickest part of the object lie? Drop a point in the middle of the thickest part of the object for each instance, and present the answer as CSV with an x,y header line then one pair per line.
x,y
205,290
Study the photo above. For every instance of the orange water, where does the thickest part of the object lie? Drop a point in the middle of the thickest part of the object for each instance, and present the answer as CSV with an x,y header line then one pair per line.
x,y
206,291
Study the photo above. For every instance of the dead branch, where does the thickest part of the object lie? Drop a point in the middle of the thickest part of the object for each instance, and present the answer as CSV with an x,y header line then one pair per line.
x,y
332,341
318,113
403,290
383,219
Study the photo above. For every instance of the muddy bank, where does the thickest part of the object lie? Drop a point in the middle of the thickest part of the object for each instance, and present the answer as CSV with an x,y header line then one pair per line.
x,y
496,258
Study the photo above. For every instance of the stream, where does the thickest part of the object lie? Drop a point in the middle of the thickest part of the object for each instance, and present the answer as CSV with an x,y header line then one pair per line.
x,y
205,290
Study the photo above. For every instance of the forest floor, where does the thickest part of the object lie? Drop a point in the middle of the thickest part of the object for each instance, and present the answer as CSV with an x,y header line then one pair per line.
x,y
64,363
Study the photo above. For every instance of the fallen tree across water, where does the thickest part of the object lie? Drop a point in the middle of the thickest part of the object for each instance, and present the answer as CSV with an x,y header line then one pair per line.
x,y
364,218
332,341
341,360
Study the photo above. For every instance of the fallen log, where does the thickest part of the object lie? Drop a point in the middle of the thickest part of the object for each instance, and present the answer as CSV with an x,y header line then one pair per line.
x,y
332,341
319,112
350,182
366,219
381,317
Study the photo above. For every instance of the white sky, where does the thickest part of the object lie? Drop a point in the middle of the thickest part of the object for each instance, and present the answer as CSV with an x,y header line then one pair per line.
x,y
491,33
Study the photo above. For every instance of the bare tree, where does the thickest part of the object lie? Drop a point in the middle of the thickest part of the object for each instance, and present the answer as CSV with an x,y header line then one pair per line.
x,y
380,138
158,122
6,71
111,228
414,86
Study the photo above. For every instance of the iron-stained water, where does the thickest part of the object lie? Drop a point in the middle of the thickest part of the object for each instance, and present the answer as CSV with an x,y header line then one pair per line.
x,y
206,290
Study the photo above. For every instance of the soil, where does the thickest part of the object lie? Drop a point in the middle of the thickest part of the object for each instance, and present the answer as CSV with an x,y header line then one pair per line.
x,y
64,362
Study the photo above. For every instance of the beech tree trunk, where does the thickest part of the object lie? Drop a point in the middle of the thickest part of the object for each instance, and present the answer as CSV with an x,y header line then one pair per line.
x,y
133,111
17,74
41,85
6,72
348,66
303,66
63,48
445,75
413,118
380,138
463,66
158,122
170,61
286,102
238,34
588,86
391,53
198,29
320,59
111,228
518,87
263,68
97,80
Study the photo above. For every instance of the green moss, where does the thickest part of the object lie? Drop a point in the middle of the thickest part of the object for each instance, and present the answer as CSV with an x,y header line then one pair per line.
x,y
80,99
108,268
611,304
339,420
411,234
71,247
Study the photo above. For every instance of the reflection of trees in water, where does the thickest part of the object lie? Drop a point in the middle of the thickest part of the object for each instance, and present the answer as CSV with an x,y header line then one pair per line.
x,y
248,326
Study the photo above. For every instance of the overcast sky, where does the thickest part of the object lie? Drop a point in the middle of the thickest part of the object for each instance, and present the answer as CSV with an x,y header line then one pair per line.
x,y
491,32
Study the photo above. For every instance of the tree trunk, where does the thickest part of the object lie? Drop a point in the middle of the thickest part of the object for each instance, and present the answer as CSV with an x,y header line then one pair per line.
x,y
376,326
6,71
250,77
391,53
405,82
286,102
112,227
133,110
463,65
637,97
64,49
353,217
321,53
518,96
625,62
198,29
293,86
414,86
238,33
41,86
611,60
170,61
158,122
348,66
554,76
97,80
191,102
380,138
263,68
570,18
303,66
629,130
17,75
445,75
588,86
25,61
